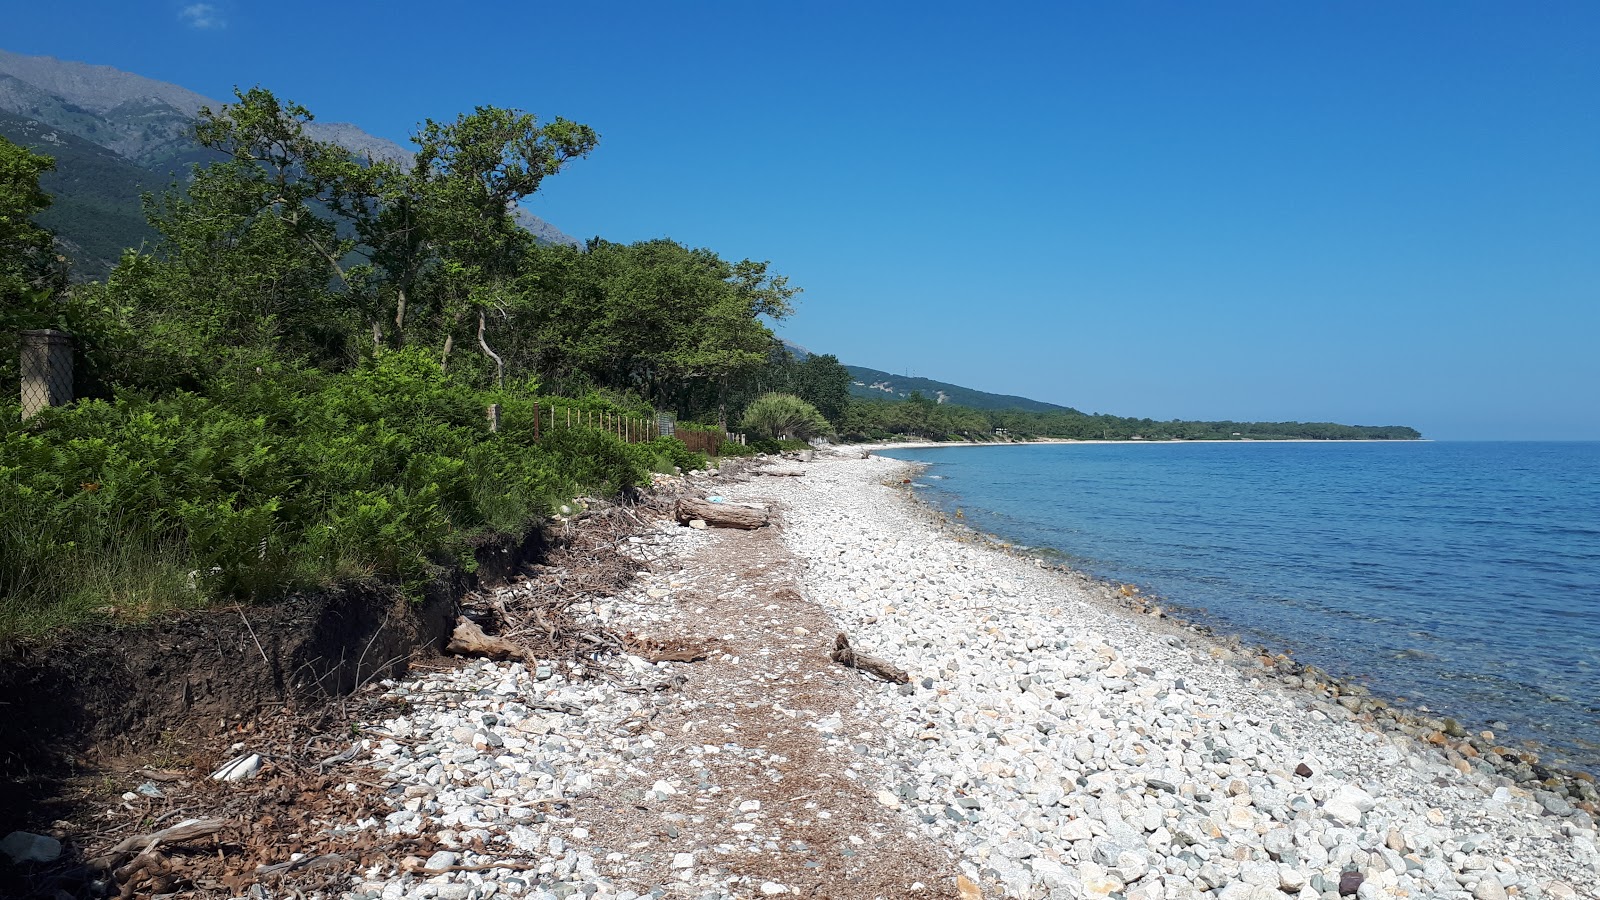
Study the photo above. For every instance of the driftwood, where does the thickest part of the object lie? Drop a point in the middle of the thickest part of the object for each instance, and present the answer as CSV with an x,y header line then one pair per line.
x,y
305,863
844,655
720,515
140,845
792,473
469,640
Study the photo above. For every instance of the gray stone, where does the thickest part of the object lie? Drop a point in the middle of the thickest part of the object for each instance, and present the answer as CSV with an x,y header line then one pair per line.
x,y
444,859
1489,888
26,847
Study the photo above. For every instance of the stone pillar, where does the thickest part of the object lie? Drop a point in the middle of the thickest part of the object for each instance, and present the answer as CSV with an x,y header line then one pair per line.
x,y
46,370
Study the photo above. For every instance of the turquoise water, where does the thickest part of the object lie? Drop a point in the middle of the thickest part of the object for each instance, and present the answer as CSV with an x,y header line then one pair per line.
x,y
1461,576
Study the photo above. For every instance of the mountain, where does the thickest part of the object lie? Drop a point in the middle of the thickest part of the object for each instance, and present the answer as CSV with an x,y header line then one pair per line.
x,y
96,212
63,109
872,384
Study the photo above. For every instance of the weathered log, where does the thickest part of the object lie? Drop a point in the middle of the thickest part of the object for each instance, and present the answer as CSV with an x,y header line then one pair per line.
x,y
720,515
845,656
469,640
792,473
181,833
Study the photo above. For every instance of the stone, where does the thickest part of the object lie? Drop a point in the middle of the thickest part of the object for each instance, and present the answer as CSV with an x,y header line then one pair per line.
x,y
683,860
444,859
772,888
26,847
1097,882
1350,883
1489,888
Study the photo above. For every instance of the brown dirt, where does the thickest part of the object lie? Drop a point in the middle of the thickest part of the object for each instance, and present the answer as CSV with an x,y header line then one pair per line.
x,y
819,830
94,713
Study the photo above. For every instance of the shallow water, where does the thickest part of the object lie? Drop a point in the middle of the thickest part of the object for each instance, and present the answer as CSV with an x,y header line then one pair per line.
x,y
1460,576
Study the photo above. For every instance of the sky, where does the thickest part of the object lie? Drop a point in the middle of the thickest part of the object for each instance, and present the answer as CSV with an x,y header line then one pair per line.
x,y
1363,212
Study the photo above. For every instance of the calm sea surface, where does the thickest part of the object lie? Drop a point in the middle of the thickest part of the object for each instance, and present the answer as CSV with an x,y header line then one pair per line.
x,y
1462,576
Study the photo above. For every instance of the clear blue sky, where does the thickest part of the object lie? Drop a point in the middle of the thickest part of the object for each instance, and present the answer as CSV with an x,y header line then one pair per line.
x,y
1363,212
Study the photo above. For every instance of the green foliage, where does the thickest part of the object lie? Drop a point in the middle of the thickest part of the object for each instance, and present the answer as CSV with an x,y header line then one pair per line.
x,y
289,478
675,326
783,416
920,417
674,453
733,448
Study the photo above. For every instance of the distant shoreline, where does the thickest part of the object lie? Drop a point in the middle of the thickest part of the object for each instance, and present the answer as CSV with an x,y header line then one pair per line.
x,y
876,446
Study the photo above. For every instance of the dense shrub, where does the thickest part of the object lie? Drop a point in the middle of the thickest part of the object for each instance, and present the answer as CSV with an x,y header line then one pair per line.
x,y
734,448
783,416
299,478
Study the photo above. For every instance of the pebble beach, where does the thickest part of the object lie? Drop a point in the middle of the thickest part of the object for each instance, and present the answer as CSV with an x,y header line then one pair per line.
x,y
1050,743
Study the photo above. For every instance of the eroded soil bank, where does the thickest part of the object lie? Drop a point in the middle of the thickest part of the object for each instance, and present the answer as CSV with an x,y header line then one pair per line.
x,y
87,707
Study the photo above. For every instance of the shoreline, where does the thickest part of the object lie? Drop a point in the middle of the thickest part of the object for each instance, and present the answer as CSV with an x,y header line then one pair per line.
x,y
1440,729
879,446
1044,741
1342,718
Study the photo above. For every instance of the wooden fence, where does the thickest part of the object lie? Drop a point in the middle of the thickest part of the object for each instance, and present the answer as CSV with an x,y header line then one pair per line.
x,y
631,429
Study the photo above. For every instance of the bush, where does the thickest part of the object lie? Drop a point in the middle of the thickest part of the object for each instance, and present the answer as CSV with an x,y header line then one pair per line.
x,y
733,448
299,478
675,453
783,416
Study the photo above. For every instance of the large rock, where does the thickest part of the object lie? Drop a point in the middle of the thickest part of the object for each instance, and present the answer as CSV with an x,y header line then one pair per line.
x,y
25,847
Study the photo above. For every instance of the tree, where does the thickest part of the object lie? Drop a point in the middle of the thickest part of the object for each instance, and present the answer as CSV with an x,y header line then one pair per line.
x,y
679,327
824,383
471,173
28,265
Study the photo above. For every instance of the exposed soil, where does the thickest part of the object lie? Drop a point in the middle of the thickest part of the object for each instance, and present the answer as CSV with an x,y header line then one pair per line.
x,y
766,683
94,713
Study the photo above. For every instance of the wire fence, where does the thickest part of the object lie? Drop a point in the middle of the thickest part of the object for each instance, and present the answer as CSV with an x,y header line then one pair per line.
x,y
45,369
632,429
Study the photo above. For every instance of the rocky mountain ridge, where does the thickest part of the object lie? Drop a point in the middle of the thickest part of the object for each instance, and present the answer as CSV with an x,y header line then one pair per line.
x,y
149,125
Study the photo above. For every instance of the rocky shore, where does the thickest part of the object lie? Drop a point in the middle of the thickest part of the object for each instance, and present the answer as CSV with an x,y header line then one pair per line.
x,y
1051,743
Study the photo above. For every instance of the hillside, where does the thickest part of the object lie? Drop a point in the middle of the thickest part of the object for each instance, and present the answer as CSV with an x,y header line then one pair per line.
x,y
872,384
115,134
96,212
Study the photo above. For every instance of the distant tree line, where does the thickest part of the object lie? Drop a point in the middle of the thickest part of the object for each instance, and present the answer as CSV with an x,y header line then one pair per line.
x,y
921,417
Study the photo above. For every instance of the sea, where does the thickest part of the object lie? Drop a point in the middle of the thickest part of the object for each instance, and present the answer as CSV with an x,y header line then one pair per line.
x,y
1461,578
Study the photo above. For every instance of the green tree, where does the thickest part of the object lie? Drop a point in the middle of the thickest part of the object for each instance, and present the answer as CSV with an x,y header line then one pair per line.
x,y
677,326
824,383
28,265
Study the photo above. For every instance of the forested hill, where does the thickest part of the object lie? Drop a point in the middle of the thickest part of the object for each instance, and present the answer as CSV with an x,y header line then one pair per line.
x,y
144,132
873,384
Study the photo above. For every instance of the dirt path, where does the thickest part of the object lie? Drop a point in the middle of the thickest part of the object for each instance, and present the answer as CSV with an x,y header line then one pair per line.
x,y
773,779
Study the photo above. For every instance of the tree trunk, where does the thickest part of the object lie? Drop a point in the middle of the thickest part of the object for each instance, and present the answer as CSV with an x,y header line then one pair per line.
x,y
720,515
499,366
400,318
444,358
